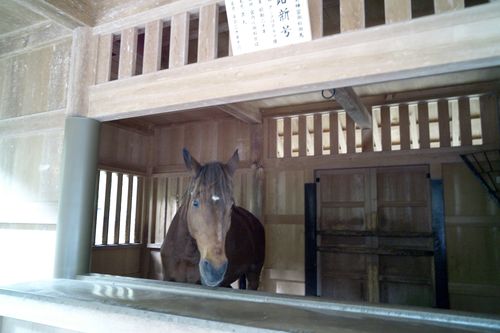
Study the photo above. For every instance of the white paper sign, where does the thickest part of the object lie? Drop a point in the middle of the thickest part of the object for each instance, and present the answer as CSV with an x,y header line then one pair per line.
x,y
262,24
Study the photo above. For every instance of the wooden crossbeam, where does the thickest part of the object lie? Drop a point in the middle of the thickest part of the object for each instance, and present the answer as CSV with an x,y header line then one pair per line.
x,y
353,106
243,111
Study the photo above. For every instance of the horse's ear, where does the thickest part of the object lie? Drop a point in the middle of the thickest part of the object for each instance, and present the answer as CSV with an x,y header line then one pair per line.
x,y
191,163
233,162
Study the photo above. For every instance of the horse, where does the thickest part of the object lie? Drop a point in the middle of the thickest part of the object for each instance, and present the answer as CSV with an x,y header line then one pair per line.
x,y
211,240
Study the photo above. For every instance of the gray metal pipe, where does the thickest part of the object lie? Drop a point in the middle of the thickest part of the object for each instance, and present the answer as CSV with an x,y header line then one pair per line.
x,y
76,203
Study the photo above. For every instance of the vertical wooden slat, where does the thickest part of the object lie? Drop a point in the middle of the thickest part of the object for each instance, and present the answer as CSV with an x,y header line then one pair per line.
x,y
443,6
179,40
302,136
465,123
152,211
444,123
334,134
404,126
371,223
129,209
318,135
350,135
397,11
107,198
104,55
152,46
316,15
287,137
160,209
273,137
118,208
489,119
385,124
128,53
208,32
367,139
139,212
423,125
352,15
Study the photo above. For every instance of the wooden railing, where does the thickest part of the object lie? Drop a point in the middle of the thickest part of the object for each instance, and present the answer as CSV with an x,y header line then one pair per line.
x,y
445,122
187,32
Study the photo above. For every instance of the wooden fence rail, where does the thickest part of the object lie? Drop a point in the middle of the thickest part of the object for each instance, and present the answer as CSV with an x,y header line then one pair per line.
x,y
446,122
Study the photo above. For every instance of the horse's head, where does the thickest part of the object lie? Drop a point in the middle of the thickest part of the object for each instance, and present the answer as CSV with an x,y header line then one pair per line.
x,y
209,204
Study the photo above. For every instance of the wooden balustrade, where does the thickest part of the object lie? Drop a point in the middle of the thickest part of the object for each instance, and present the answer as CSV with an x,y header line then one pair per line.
x,y
446,122
350,15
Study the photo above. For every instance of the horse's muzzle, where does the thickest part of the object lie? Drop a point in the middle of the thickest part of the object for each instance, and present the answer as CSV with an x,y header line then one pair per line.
x,y
211,276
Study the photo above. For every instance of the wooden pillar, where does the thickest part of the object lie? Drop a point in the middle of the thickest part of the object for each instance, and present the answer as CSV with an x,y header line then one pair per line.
x,y
444,123
423,125
104,55
77,200
404,127
352,15
385,116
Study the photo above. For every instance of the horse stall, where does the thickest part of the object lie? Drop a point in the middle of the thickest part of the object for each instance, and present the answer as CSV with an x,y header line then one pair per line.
x,y
371,156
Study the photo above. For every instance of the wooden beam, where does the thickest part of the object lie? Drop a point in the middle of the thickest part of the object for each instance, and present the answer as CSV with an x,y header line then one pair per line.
x,y
234,79
68,13
243,111
353,106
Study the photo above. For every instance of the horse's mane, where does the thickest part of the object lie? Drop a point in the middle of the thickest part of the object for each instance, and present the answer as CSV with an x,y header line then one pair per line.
x,y
212,178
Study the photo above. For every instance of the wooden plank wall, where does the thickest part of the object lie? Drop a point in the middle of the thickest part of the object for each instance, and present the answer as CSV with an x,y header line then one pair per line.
x,y
472,238
33,98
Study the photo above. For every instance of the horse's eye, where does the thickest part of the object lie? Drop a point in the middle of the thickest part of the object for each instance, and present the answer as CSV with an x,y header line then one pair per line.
x,y
196,203
215,198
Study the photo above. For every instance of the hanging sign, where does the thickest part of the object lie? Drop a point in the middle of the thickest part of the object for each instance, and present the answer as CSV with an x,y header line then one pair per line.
x,y
263,24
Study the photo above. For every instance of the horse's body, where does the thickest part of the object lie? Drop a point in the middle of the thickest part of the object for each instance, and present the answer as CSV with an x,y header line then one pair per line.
x,y
211,240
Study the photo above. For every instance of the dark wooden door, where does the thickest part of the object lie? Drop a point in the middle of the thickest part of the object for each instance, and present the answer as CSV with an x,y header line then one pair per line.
x,y
375,235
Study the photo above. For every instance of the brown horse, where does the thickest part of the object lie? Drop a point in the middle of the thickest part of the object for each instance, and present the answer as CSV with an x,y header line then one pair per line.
x,y
210,239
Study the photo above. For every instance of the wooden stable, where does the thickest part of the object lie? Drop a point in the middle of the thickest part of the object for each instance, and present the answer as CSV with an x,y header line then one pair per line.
x,y
416,86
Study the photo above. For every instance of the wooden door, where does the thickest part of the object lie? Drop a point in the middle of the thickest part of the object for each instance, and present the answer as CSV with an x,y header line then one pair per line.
x,y
375,235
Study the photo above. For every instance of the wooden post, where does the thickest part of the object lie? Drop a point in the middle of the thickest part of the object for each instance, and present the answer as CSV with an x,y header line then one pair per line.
x,y
272,138
316,14
490,127
287,137
318,135
350,135
128,53
404,127
352,15
465,123
444,123
302,136
152,46
367,139
385,116
118,208
423,125
443,6
208,33
179,40
397,11
104,55
334,133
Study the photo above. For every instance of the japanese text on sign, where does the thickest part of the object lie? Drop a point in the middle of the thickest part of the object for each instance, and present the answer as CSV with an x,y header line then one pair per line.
x,y
262,24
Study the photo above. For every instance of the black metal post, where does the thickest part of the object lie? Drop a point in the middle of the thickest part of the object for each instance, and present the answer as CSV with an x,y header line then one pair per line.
x,y
310,241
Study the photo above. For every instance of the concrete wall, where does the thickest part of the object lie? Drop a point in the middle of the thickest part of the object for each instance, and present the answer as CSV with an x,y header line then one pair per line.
x,y
33,94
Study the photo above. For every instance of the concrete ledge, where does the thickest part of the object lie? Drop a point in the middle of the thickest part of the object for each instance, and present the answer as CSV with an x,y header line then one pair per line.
x,y
104,304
